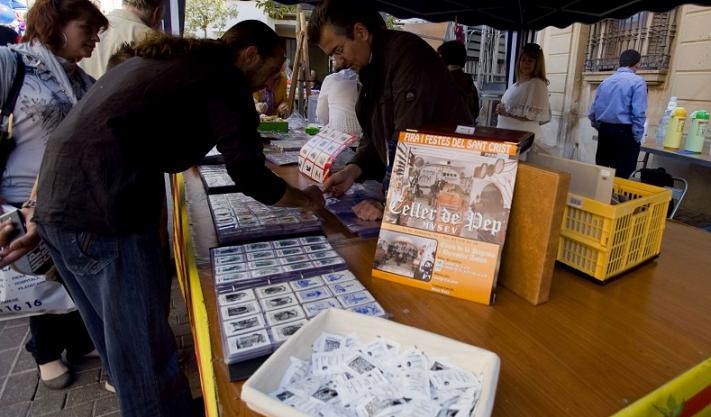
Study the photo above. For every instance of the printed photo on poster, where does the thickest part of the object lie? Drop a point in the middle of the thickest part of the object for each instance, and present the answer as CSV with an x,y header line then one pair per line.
x,y
405,254
451,192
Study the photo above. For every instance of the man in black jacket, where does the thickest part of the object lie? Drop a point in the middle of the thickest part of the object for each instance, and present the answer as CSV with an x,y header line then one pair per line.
x,y
101,183
454,54
405,85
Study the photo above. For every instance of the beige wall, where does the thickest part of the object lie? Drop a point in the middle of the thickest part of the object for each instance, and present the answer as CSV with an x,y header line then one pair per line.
x,y
688,78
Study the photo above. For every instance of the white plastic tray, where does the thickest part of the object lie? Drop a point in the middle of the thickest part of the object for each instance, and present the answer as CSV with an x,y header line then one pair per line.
x,y
266,379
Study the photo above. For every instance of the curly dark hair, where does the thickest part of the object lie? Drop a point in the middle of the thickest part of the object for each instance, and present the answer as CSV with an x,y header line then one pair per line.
x,y
46,19
453,53
160,45
343,15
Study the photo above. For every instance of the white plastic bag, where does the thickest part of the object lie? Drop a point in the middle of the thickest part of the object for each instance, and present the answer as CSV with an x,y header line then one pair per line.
x,y
27,295
26,288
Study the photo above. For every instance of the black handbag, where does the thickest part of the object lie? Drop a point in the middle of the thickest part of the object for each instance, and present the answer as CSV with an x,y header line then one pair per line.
x,y
7,141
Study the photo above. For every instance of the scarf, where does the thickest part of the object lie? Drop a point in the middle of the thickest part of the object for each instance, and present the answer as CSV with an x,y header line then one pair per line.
x,y
38,56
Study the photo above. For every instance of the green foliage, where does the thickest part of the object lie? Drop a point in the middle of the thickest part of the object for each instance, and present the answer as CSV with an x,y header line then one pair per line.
x,y
201,15
391,22
673,409
275,10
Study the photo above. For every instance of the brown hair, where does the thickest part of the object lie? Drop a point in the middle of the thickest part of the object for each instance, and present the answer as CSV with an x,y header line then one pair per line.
x,y
144,4
46,19
533,51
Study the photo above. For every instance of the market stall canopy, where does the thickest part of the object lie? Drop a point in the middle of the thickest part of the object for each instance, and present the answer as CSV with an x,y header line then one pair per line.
x,y
521,14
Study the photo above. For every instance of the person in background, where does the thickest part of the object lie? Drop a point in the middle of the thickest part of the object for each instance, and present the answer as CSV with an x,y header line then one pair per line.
x,y
100,190
133,22
313,81
454,54
8,35
618,113
59,34
337,100
272,99
405,85
524,105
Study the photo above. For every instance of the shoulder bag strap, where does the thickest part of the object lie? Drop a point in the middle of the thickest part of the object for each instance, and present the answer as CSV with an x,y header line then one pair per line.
x,y
7,142
14,92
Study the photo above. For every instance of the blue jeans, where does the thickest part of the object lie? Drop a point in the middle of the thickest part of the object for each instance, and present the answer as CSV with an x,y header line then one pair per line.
x,y
122,290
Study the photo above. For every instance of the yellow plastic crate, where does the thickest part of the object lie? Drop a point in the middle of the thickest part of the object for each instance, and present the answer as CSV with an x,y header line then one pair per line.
x,y
605,240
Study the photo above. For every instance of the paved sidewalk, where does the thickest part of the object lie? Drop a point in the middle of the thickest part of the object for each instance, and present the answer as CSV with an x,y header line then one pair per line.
x,y
22,394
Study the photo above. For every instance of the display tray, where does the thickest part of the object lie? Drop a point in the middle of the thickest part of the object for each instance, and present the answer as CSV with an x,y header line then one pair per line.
x,y
342,208
216,179
282,158
256,390
239,218
267,290
213,157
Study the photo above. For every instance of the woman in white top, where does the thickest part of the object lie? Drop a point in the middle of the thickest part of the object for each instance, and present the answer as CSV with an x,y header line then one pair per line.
x,y
525,105
335,107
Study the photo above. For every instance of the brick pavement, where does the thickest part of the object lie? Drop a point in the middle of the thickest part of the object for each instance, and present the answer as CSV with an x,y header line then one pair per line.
x,y
22,395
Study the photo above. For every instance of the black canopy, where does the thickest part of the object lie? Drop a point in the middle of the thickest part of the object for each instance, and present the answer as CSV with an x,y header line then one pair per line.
x,y
521,14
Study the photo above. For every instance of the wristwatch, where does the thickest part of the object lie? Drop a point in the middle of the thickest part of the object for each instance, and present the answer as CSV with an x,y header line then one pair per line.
x,y
29,204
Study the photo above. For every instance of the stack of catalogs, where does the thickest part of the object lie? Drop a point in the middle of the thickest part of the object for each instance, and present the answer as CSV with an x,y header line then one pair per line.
x,y
342,208
239,218
284,152
288,145
256,321
213,157
282,158
216,179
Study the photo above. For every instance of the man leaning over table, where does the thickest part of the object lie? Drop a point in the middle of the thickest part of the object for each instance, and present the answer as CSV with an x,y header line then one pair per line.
x,y
405,85
618,113
100,189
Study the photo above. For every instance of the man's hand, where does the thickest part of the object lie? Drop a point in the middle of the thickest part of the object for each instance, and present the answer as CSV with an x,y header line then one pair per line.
x,y
283,110
369,210
261,107
341,181
310,198
315,198
19,247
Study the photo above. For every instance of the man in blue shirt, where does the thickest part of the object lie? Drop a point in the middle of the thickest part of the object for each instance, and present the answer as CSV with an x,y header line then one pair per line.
x,y
618,113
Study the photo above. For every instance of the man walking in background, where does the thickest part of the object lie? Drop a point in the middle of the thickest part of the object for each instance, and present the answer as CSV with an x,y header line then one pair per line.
x,y
136,20
618,113
454,54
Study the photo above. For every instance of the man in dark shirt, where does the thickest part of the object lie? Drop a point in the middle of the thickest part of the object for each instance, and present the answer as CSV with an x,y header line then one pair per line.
x,y
454,54
101,183
405,85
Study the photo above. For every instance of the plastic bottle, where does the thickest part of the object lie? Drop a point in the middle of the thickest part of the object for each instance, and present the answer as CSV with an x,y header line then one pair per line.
x,y
697,131
664,121
675,128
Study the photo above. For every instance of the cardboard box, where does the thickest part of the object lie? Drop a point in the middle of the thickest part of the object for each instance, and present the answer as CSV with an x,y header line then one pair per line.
x,y
255,392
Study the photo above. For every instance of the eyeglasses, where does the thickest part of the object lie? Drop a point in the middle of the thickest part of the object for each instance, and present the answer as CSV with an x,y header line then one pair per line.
x,y
337,51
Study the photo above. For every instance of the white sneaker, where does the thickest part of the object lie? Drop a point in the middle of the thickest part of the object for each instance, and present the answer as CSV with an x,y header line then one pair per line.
x,y
108,387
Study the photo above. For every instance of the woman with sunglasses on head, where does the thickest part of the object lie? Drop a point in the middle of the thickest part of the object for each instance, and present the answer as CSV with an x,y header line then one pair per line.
x,y
59,34
524,105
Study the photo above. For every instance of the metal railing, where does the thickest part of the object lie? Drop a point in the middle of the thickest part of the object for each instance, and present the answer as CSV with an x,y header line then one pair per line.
x,y
652,34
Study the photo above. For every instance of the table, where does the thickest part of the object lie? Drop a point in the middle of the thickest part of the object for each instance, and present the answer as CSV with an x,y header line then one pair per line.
x,y
589,351
703,159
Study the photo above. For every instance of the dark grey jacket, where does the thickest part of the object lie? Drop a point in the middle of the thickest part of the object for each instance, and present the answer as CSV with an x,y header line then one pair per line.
x,y
405,86
103,168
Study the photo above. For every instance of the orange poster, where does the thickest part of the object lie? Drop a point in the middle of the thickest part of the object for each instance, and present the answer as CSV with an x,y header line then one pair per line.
x,y
446,213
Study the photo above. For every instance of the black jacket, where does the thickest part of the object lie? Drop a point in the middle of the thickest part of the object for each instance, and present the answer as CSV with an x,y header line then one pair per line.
x,y
405,86
103,167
